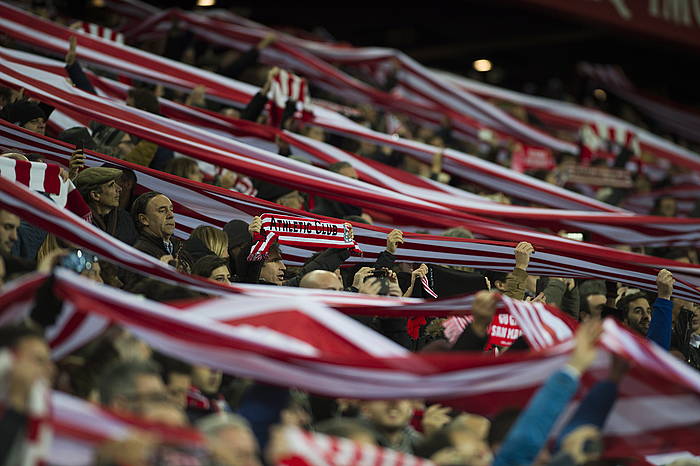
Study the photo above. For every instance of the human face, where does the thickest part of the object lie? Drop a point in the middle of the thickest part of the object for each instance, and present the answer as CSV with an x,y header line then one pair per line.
x,y
37,125
107,195
241,443
350,172
159,218
195,174
178,385
9,223
273,270
93,273
639,315
35,353
667,208
221,275
2,272
695,320
391,415
125,145
293,200
206,379
148,389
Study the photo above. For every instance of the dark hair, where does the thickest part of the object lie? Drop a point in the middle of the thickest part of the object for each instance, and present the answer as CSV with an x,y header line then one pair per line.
x,y
207,264
145,99
179,166
495,276
501,424
11,335
139,206
656,210
120,378
623,303
170,365
162,292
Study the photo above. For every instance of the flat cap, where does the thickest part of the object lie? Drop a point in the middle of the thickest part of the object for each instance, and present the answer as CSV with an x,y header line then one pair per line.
x,y
92,177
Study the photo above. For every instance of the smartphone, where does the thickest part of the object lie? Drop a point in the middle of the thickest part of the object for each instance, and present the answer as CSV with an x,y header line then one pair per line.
x,y
77,261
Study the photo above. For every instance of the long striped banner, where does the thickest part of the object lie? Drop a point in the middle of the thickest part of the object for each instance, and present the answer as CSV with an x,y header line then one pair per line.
x,y
333,355
133,62
607,227
197,203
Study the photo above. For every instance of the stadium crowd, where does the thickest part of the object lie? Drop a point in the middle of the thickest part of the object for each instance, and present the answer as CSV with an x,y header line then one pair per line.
x,y
239,418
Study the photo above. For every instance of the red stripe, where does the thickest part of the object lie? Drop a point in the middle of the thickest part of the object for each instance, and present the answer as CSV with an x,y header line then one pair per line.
x,y
68,329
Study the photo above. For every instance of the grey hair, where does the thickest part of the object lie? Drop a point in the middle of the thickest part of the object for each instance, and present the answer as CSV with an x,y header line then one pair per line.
x,y
119,379
213,423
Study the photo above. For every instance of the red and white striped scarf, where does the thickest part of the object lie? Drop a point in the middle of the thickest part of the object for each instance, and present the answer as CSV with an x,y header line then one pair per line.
x,y
46,178
287,87
303,448
301,231
33,450
222,205
102,32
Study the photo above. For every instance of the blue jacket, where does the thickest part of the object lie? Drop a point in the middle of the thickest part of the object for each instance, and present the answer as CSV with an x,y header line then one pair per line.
x,y
661,323
530,432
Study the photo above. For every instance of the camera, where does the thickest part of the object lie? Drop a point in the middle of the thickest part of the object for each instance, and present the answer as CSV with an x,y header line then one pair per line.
x,y
78,261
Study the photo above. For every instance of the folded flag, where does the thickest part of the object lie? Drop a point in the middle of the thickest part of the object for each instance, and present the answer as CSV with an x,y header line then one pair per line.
x,y
301,231
46,178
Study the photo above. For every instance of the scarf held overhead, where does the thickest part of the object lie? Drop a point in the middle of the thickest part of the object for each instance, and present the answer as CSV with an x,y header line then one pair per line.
x,y
301,231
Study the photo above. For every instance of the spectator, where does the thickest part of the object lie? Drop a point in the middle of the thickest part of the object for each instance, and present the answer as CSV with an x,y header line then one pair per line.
x,y
184,168
337,209
527,437
28,115
155,221
31,364
665,206
203,396
100,189
321,279
654,323
214,268
206,240
9,225
230,439
129,387
391,420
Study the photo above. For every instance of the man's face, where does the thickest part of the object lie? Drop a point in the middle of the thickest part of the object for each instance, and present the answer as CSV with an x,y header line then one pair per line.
x,y
293,200
241,443
392,415
37,125
2,272
148,389
350,172
273,270
9,223
159,218
206,379
107,194
34,352
178,385
639,315
195,174
667,207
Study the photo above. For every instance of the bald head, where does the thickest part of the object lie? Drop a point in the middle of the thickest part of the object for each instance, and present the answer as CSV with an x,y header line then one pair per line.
x,y
322,280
